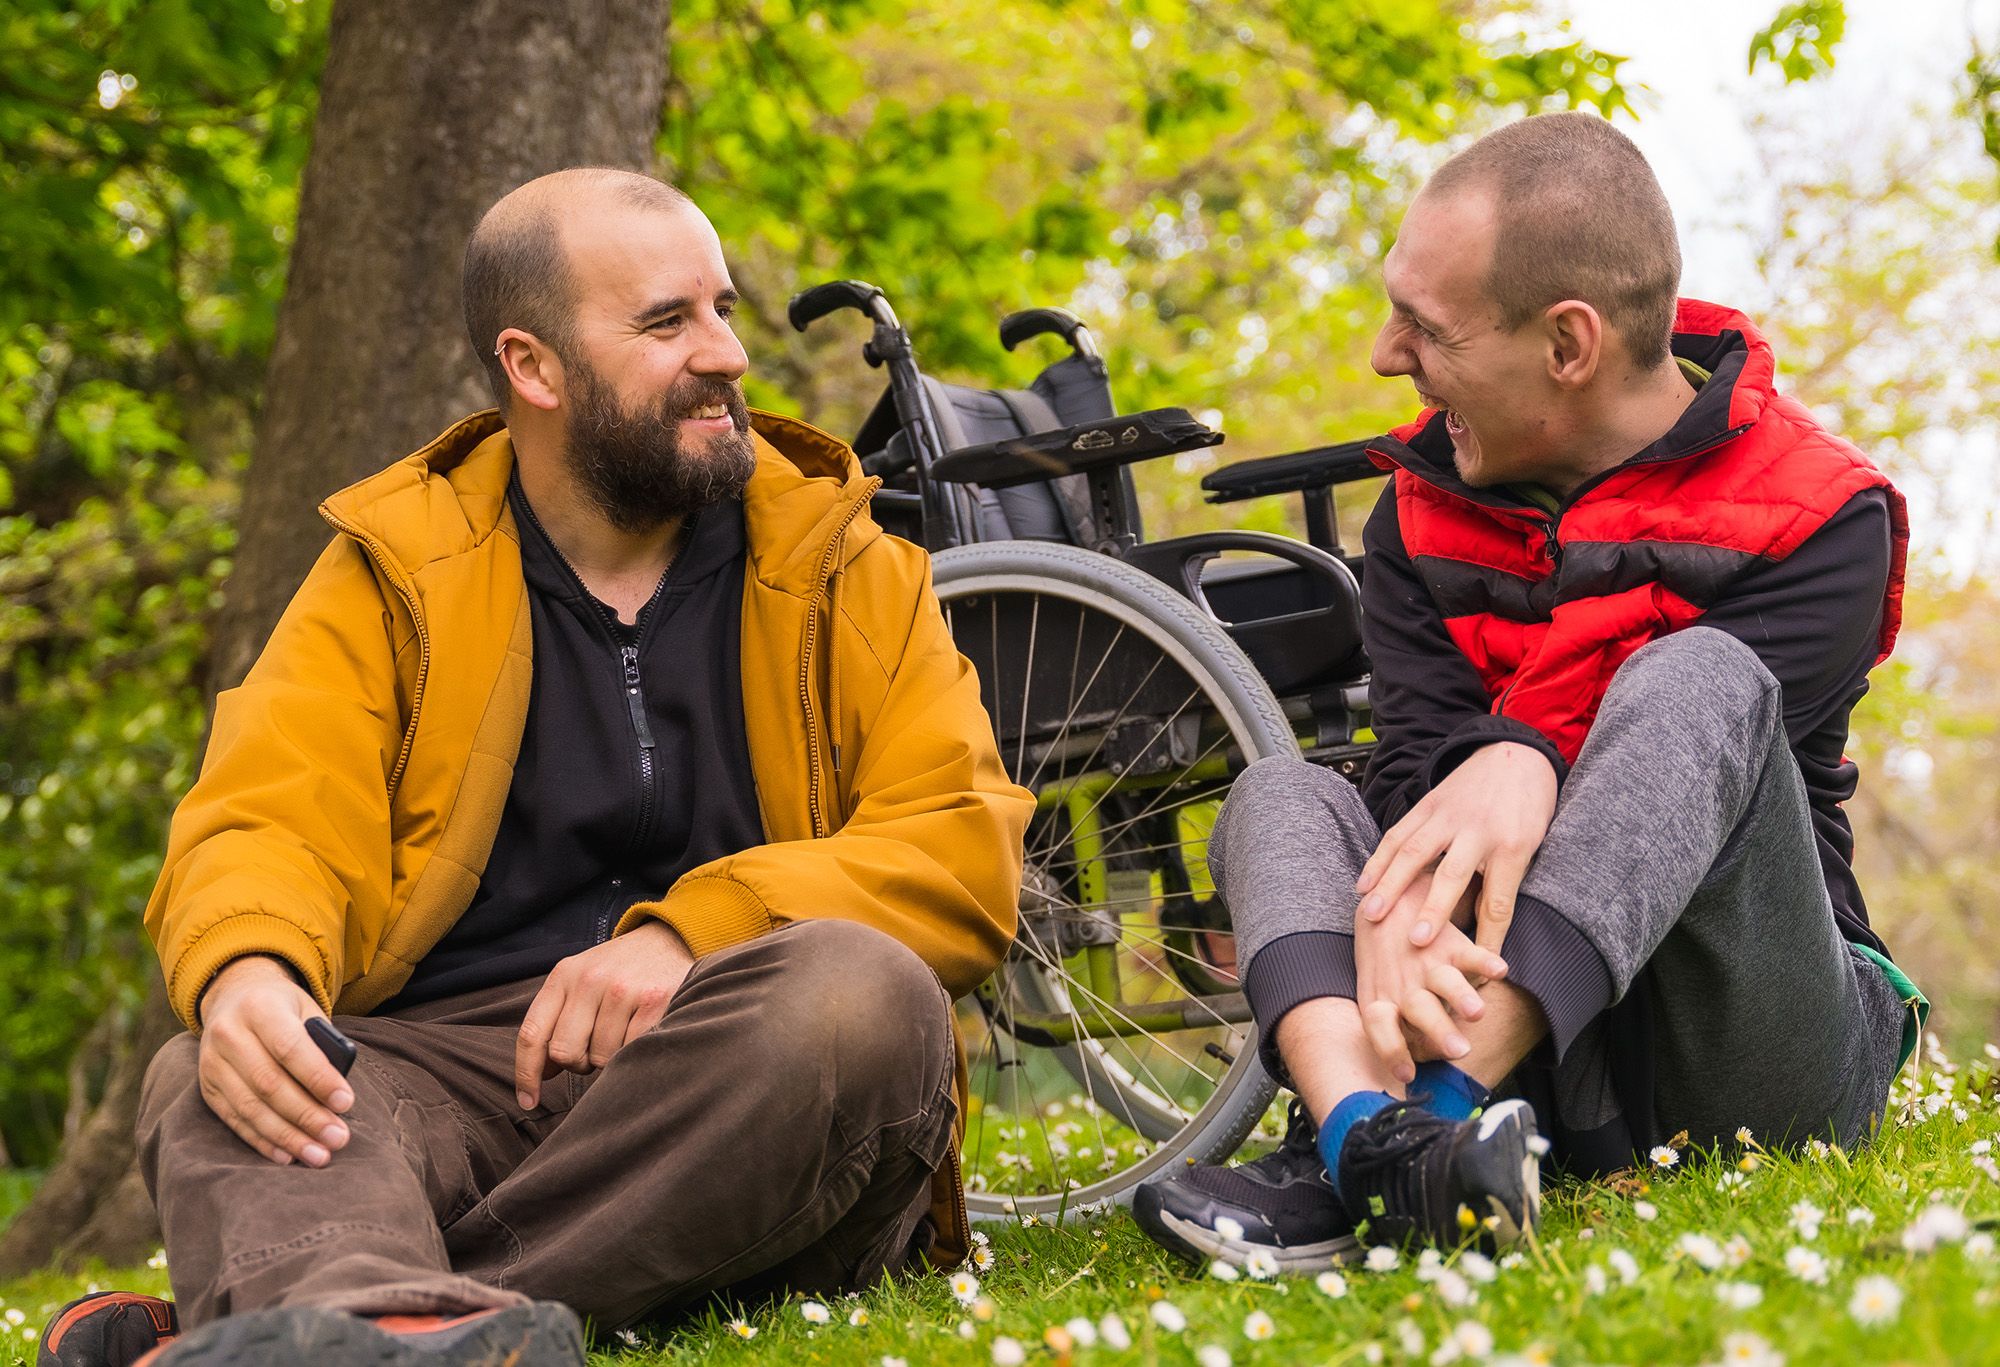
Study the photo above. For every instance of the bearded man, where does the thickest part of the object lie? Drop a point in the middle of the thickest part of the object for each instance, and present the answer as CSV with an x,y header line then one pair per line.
x,y
615,785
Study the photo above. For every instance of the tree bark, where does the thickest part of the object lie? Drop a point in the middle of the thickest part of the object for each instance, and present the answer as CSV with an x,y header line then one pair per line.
x,y
427,114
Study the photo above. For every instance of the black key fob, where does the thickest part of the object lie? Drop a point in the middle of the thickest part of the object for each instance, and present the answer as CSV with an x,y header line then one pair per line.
x,y
338,1048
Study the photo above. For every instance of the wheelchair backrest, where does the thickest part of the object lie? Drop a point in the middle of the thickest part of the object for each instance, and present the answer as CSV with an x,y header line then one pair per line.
x,y
1067,393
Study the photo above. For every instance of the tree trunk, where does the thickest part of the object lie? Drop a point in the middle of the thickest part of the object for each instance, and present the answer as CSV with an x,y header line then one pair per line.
x,y
427,114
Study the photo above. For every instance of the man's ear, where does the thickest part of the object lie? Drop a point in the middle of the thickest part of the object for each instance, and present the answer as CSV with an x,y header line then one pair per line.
x,y
532,367
1575,335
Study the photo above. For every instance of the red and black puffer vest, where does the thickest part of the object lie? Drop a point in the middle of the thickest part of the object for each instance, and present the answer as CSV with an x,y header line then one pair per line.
x,y
1547,607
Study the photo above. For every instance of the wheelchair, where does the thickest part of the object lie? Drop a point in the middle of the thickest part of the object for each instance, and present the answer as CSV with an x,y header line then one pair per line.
x,y
1128,682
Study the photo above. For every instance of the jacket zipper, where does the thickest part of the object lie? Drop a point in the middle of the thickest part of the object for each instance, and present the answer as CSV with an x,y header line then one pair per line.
x,y
814,799
380,555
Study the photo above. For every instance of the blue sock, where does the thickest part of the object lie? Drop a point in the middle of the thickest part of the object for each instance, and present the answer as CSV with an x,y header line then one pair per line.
x,y
1333,1130
1453,1095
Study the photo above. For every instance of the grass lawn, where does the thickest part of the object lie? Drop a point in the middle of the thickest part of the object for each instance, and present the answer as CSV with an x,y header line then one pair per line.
x,y
1735,1256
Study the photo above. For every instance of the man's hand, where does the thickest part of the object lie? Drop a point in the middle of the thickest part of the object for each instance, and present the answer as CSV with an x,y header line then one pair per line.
x,y
1488,817
597,1002
259,1069
1409,991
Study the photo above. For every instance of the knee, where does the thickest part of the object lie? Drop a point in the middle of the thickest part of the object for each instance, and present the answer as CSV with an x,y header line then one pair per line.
x,y
875,1009
1699,668
173,1080
1279,795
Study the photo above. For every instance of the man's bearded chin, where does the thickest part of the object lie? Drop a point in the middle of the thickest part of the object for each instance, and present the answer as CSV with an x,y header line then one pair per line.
x,y
635,466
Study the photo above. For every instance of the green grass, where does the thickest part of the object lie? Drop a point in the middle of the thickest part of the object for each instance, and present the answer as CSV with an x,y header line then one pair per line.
x,y
1546,1307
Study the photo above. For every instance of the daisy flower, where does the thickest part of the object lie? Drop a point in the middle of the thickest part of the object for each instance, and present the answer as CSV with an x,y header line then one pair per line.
x,y
1168,1316
1806,1219
857,1317
1624,1264
1737,1250
1472,1339
1258,1326
1593,1280
1978,1245
1806,1265
1743,1135
1223,1271
1477,1266
1331,1284
1261,1265
1703,1250
1382,1258
964,1287
1645,1210
889,1361
1114,1333
1082,1331
1229,1229
815,1313
1747,1350
743,1329
1939,1224
1409,1338
1453,1289
1861,1215
1212,1355
1739,1295
982,1258
1664,1155
1876,1300
1008,1352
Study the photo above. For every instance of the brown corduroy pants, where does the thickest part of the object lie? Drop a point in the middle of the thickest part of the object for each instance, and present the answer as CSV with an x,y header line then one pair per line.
x,y
776,1131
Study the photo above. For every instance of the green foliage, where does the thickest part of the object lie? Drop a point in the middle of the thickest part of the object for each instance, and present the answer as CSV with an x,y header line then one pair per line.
x,y
149,156
1802,39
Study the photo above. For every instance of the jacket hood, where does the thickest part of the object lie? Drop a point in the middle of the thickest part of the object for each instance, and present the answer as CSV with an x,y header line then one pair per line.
x,y
448,497
1742,374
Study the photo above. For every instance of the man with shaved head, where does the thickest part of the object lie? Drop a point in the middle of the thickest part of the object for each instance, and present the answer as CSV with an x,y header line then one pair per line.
x,y
1594,891
614,787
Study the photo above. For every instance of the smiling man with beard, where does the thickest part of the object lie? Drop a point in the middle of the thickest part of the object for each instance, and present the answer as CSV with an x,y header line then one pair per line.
x,y
614,784
1619,598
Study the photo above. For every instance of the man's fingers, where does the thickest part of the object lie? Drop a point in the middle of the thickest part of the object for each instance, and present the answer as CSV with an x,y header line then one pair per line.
x,y
1427,1016
1408,864
298,1123
531,1045
1448,882
1392,840
242,1090
1451,987
1384,1029
607,1033
569,1037
1477,961
651,1010
1504,873
288,1042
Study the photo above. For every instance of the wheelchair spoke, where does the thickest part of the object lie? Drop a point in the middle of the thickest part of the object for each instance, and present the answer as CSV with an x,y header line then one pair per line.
x,y
1073,698
1027,684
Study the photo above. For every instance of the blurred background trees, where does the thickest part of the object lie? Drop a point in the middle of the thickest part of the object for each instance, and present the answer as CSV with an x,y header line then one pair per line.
x,y
1210,183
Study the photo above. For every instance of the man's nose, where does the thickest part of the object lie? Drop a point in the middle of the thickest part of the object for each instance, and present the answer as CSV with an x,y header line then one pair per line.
x,y
721,353
1390,356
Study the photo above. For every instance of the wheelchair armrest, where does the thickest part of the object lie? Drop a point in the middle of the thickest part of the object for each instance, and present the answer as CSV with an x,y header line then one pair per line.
x,y
1291,473
1084,449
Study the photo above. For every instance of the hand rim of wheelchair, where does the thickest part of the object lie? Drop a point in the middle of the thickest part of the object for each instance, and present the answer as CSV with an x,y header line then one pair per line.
x,y
1257,727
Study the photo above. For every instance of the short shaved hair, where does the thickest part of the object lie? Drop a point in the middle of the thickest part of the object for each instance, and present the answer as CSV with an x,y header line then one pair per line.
x,y
516,272
1579,215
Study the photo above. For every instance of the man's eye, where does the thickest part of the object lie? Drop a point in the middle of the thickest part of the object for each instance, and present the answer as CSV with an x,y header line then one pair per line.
x,y
668,323
725,311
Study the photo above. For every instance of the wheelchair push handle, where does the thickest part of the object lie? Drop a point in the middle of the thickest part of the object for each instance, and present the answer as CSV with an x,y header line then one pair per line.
x,y
808,306
1017,328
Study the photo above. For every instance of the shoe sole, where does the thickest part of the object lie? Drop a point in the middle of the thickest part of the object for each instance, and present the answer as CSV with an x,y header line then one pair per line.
x,y
1511,1126
1200,1244
539,1335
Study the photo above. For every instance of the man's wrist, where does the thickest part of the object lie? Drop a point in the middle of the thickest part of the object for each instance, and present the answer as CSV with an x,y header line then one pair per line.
x,y
244,966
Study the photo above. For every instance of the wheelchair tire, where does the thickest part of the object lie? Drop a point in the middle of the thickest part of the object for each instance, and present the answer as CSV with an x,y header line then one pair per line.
x,y
1126,768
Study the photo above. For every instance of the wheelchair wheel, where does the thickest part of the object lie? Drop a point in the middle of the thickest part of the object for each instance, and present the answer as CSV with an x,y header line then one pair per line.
x,y
1113,1041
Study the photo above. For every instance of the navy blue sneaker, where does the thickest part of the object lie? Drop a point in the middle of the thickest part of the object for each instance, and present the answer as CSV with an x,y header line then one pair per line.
x,y
1281,1205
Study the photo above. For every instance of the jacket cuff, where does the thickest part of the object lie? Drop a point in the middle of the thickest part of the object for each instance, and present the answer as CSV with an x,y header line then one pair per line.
x,y
1553,962
234,937
1291,970
1479,732
708,913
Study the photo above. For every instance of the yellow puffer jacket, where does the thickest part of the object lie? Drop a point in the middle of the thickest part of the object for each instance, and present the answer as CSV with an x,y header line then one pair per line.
x,y
353,784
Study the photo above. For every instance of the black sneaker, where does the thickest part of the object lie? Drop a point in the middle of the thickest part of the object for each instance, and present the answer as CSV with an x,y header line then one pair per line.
x,y
1410,1175
107,1329
541,1334
1281,1205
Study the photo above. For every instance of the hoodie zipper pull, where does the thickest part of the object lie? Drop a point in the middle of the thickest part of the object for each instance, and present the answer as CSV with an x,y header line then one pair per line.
x,y
630,654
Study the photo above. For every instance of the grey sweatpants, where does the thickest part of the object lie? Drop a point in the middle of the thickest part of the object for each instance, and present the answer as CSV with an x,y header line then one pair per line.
x,y
1674,926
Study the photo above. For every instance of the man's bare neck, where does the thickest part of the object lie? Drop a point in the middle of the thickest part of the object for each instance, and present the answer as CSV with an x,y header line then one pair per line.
x,y
620,568
1627,427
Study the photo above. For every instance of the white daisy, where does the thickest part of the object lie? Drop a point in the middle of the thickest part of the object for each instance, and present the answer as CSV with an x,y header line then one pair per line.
x,y
1261,1264
1747,1350
1477,1266
1223,1271
1978,1245
1645,1210
1743,1135
1624,1264
1229,1229
982,1258
1473,1339
1008,1352
1806,1265
1737,1250
1739,1295
1382,1258
1876,1300
964,1287
1453,1289
1258,1326
743,1329
1664,1155
1212,1355
858,1317
1331,1284
1703,1250
1593,1280
1114,1333
1861,1215
1081,1331
1939,1224
1806,1219
815,1313
1168,1316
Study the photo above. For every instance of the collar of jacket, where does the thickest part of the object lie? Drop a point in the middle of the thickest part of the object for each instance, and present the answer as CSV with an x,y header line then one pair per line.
x,y
1742,372
450,496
